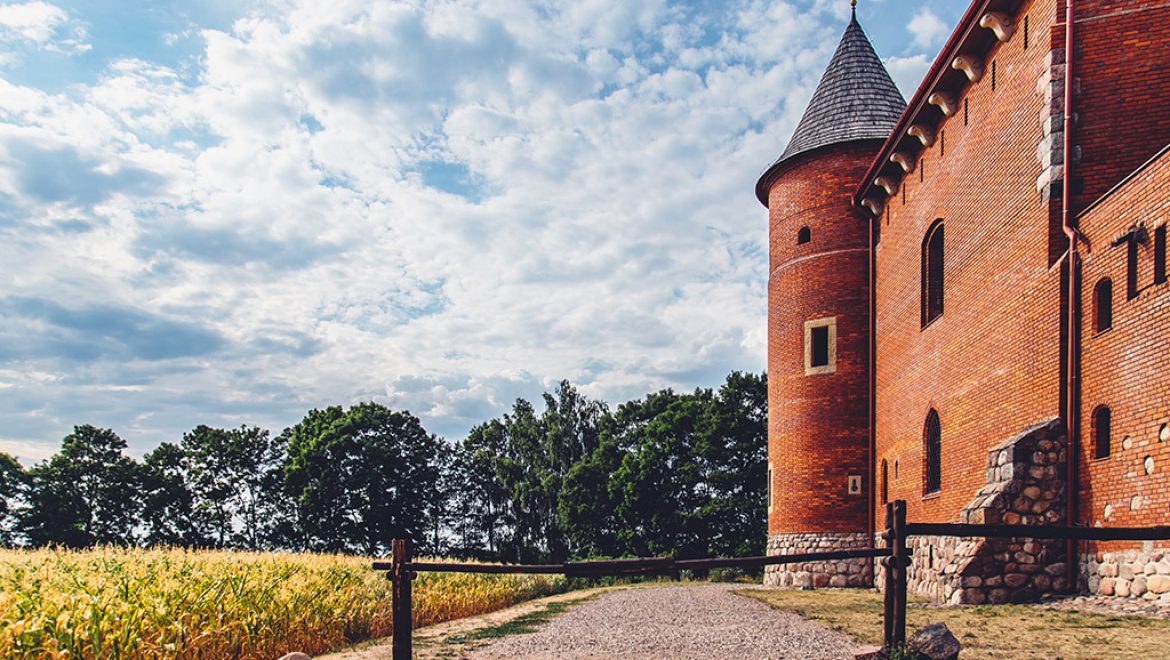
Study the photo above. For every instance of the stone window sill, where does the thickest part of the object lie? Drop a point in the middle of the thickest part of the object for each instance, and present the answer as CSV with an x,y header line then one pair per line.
x,y
933,495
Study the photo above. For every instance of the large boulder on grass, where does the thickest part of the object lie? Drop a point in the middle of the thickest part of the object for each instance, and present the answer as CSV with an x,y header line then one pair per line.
x,y
933,642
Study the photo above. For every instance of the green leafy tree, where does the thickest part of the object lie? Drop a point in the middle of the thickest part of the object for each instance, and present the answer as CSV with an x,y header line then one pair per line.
x,y
531,456
480,505
235,476
13,483
733,451
85,494
170,515
585,504
363,476
658,488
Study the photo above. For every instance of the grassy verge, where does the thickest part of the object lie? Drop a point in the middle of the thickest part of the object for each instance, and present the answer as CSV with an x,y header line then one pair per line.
x,y
522,625
1001,632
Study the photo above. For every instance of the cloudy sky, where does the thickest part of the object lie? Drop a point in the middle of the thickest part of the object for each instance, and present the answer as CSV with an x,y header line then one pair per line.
x,y
232,211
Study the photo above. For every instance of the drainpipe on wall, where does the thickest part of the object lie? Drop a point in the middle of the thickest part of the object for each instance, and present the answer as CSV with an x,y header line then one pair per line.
x,y
1072,421
873,485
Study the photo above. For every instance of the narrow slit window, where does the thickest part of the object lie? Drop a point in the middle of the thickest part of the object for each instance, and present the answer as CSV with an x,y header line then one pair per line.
x,y
803,236
1103,305
885,481
966,111
820,346
1102,432
1160,254
770,477
1027,31
994,74
932,441
1131,268
932,274
942,143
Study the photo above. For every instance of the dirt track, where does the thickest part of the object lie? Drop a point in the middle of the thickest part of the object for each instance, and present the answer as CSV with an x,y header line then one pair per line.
x,y
702,622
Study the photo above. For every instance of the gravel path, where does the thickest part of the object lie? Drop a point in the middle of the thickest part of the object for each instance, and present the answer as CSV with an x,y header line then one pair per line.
x,y
702,622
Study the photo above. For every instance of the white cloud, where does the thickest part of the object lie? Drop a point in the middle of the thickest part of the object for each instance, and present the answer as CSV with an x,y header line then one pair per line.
x,y
46,26
35,21
908,72
442,206
927,29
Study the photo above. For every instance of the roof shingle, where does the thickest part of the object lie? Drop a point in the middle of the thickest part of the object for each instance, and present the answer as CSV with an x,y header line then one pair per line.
x,y
855,100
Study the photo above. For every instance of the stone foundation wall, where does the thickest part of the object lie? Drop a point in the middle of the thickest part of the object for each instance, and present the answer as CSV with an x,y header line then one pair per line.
x,y
843,573
976,571
1025,486
1143,574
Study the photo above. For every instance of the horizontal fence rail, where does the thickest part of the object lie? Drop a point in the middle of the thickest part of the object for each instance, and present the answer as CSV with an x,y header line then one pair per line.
x,y
633,566
1040,532
895,560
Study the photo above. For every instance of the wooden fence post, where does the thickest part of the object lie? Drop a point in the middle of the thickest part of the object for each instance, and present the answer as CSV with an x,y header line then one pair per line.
x,y
901,562
401,577
888,590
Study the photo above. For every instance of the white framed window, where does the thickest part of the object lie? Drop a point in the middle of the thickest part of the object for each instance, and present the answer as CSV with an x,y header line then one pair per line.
x,y
820,346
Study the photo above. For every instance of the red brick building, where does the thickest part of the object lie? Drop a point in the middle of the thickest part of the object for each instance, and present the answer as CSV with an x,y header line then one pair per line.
x,y
922,344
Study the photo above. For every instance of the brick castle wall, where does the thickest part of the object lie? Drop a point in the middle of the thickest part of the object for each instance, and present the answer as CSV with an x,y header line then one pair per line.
x,y
1127,368
990,365
818,424
1121,95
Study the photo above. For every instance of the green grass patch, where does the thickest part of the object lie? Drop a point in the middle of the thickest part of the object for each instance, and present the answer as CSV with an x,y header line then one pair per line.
x,y
521,625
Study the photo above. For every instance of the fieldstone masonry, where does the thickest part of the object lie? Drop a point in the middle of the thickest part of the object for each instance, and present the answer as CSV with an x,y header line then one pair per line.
x,y
1143,574
1025,486
844,573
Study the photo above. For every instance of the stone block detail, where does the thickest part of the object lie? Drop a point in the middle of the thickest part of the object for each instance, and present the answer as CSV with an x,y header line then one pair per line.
x,y
1050,150
842,573
1025,486
1127,574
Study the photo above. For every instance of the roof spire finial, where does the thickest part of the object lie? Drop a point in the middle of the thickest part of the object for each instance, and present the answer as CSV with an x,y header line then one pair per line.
x,y
853,5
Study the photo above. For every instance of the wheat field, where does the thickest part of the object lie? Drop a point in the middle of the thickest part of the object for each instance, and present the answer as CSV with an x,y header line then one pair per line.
x,y
120,603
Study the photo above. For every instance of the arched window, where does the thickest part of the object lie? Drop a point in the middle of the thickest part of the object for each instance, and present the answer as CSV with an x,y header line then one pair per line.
x,y
1102,431
1103,305
803,236
932,445
885,481
932,273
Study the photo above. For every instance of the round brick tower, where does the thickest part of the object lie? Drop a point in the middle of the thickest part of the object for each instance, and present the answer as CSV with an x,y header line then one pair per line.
x,y
818,319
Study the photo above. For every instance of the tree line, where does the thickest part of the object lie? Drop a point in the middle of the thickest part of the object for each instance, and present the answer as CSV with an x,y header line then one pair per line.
x,y
668,474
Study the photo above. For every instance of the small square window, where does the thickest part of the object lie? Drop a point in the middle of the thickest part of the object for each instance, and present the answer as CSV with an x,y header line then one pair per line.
x,y
820,346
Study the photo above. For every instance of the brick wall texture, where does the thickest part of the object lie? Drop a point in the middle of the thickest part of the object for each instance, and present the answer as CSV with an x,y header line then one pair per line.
x,y
992,365
818,425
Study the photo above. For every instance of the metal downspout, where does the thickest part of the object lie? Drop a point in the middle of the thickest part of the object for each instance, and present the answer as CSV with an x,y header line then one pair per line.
x,y
1072,414
873,486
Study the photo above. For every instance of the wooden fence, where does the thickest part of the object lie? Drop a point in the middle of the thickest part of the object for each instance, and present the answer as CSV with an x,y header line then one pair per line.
x,y
895,560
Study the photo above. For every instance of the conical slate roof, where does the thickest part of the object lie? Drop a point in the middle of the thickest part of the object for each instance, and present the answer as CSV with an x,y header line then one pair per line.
x,y
855,100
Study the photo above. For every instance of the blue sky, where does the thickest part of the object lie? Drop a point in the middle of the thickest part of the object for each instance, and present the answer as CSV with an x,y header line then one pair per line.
x,y
232,212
